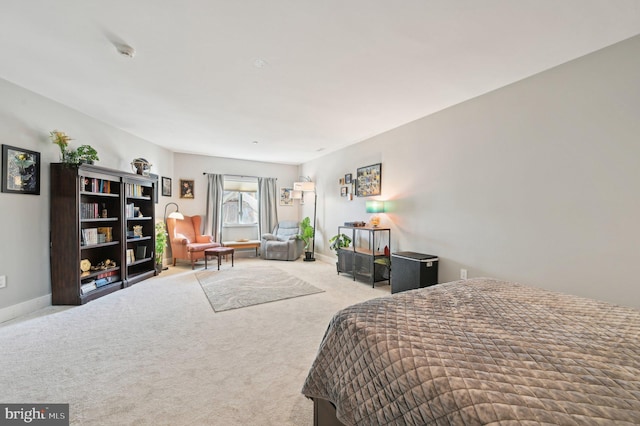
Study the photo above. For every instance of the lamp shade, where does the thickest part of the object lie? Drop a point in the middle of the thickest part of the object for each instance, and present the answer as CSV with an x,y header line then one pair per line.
x,y
375,206
173,215
304,186
176,215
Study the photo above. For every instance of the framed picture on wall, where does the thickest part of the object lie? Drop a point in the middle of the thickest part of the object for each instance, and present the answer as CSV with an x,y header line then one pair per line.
x,y
166,186
20,170
186,188
369,180
286,198
347,178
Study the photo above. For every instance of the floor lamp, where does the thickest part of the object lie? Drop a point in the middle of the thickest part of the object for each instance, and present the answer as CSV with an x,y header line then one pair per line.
x,y
303,187
173,215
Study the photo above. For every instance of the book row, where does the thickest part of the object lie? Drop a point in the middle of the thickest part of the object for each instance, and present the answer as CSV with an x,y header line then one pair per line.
x,y
102,186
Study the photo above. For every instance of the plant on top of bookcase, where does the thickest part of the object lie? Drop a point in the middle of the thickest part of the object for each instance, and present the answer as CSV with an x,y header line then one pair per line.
x,y
84,153
87,154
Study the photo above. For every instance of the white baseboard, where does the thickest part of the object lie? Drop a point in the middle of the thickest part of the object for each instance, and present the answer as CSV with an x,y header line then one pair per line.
x,y
325,258
24,308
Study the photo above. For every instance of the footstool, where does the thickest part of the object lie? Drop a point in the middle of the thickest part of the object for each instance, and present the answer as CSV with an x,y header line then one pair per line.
x,y
218,252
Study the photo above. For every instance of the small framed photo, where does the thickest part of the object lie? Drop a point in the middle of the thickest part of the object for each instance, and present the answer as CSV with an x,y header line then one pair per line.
x,y
347,178
286,198
344,191
20,170
166,186
186,188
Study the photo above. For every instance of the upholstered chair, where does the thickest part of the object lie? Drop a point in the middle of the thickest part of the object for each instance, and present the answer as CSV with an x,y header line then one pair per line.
x,y
283,243
187,241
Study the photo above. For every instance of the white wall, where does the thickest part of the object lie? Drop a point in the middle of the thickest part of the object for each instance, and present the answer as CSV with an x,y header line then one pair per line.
x,y
25,122
538,182
192,167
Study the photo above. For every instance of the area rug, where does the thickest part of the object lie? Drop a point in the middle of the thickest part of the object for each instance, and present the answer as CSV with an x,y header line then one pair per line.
x,y
235,288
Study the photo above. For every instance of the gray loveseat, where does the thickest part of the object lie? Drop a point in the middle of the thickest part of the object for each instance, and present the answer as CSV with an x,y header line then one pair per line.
x,y
282,243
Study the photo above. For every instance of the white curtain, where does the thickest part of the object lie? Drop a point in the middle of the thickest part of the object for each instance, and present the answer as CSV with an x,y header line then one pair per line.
x,y
268,207
213,219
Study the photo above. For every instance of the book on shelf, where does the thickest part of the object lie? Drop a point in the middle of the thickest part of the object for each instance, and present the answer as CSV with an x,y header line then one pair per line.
x,y
89,211
89,236
101,282
135,190
101,186
88,286
131,208
131,257
107,231
107,274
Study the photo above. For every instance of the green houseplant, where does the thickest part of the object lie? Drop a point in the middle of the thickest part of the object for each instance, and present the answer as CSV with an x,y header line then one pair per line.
x,y
161,244
70,157
306,235
87,154
339,241
386,263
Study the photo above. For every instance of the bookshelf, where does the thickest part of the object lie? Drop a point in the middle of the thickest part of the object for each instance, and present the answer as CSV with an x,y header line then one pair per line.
x,y
89,239
139,228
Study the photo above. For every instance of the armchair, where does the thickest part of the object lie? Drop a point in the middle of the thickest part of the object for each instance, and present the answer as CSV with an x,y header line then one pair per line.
x,y
186,240
283,243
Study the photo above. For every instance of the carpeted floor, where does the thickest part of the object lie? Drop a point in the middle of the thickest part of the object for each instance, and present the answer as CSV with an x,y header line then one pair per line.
x,y
157,354
234,288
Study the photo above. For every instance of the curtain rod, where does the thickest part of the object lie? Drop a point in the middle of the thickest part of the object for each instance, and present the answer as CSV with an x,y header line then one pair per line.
x,y
240,176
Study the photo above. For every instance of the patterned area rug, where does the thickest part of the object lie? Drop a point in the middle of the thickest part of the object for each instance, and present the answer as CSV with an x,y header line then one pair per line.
x,y
235,288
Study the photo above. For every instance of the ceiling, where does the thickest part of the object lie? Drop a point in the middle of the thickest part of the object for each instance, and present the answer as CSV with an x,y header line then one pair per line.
x,y
288,81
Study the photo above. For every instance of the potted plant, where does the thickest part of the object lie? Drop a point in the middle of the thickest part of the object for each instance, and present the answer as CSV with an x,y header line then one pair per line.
x,y
62,140
339,241
386,266
87,154
307,234
84,154
161,244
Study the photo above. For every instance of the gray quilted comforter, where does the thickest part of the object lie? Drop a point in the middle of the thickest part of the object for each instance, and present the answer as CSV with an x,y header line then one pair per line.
x,y
480,351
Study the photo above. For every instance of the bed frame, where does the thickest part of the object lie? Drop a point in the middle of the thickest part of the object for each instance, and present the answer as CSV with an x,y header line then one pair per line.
x,y
324,413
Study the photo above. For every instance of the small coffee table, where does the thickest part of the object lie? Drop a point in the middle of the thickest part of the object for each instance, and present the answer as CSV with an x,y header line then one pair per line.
x,y
218,252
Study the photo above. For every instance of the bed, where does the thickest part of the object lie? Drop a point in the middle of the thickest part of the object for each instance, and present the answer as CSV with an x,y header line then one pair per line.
x,y
480,351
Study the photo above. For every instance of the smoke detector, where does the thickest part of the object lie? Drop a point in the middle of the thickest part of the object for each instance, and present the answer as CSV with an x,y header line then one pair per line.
x,y
126,50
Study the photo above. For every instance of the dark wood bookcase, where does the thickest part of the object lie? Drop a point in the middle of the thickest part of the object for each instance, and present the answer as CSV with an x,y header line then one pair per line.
x,y
139,208
90,225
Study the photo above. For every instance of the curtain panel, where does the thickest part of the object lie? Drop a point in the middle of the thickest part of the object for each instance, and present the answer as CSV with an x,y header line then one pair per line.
x,y
267,205
213,219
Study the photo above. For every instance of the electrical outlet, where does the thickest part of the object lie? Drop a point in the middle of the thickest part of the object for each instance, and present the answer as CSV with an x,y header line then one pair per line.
x,y
463,274
3,281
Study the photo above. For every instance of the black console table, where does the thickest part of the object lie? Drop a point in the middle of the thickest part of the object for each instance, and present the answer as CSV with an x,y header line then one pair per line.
x,y
368,245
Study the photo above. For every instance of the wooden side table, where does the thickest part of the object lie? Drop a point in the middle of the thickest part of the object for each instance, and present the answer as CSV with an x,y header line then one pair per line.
x,y
218,252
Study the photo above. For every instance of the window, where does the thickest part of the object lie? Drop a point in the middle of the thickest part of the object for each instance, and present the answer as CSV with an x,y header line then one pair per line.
x,y
240,203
